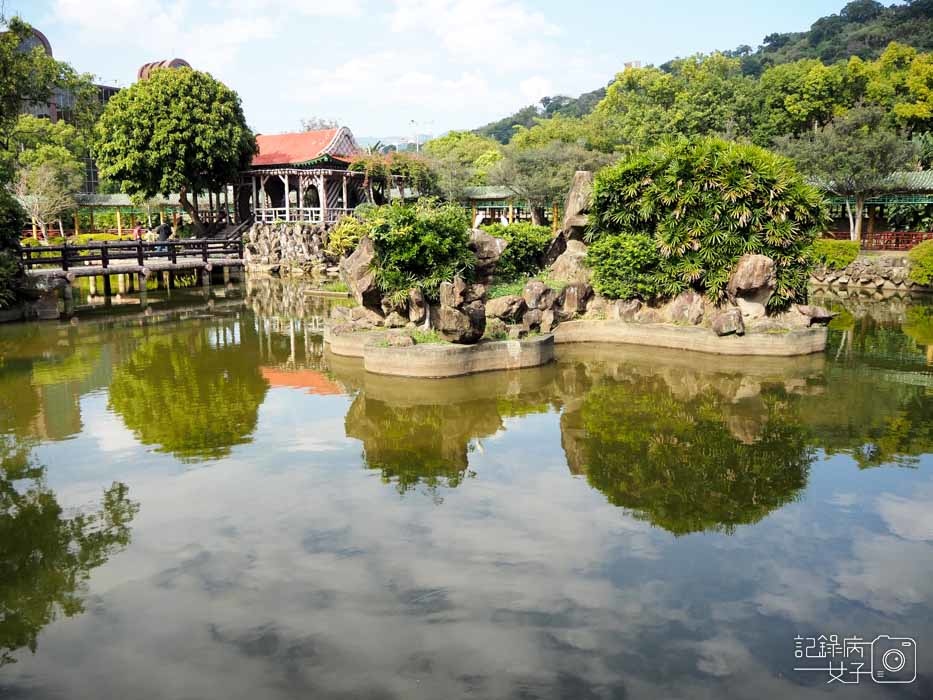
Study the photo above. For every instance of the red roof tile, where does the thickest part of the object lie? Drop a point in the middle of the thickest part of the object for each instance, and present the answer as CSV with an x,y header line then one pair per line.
x,y
291,149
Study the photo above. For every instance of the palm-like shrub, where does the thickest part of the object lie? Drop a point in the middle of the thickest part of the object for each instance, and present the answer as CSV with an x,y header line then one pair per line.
x,y
419,245
706,202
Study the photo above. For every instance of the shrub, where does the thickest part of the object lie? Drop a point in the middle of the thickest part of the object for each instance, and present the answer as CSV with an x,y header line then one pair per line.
x,y
835,255
706,202
345,236
527,245
419,245
921,264
625,266
12,219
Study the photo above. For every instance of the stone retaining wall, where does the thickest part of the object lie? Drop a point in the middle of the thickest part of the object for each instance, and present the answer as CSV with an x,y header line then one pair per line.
x,y
873,272
793,342
434,360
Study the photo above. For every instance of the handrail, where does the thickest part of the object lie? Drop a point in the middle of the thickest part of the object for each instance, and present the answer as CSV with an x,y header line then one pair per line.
x,y
106,252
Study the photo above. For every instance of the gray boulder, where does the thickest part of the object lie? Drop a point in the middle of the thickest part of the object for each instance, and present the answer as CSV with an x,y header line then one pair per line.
x,y
752,284
570,265
538,295
357,273
572,300
465,325
686,307
487,249
625,309
417,308
508,308
577,205
728,322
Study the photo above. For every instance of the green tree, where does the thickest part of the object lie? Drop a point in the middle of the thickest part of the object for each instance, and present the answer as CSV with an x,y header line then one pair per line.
x,y
385,171
854,155
542,175
461,158
47,181
180,130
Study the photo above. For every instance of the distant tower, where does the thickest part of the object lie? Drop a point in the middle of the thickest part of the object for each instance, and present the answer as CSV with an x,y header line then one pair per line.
x,y
145,70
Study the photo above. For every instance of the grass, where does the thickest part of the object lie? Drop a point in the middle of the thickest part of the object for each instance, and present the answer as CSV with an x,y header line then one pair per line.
x,y
423,337
335,286
515,287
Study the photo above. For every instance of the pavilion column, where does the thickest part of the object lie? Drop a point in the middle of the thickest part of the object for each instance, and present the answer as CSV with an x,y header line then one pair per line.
x,y
285,180
301,198
346,199
119,223
323,196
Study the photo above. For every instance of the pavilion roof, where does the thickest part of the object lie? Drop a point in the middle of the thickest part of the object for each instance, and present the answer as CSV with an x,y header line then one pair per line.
x,y
305,148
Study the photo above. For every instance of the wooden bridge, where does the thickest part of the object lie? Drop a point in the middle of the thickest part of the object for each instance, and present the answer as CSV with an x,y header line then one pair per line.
x,y
134,259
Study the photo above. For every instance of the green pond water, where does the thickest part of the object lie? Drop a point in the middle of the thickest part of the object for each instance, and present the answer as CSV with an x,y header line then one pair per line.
x,y
197,501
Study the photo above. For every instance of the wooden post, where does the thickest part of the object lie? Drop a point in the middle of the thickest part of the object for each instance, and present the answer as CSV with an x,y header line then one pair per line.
x,y
167,280
161,215
92,286
91,211
205,277
121,284
130,282
226,275
554,215
227,207
35,229
285,184
346,198
255,198
107,291
77,225
473,215
119,223
323,191
301,198
511,210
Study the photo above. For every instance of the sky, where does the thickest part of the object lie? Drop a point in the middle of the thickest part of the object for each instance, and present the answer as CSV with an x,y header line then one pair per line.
x,y
392,68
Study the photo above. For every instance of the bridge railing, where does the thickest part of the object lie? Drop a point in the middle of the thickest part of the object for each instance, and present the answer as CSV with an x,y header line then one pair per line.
x,y
105,253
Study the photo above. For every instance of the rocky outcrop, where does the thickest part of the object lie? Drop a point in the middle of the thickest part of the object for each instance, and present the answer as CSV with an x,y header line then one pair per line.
x,y
752,284
417,306
573,299
461,317
357,272
570,266
577,205
886,273
538,295
508,308
687,308
728,322
487,249
287,249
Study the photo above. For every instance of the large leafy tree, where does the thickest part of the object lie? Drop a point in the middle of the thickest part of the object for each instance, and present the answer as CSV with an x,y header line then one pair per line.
x,y
541,176
855,155
179,130
462,158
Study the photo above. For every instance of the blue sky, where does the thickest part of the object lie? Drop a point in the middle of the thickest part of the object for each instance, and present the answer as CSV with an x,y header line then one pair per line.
x,y
378,65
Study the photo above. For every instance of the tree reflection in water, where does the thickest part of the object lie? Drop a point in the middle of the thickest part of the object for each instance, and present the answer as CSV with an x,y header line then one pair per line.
x,y
47,555
192,390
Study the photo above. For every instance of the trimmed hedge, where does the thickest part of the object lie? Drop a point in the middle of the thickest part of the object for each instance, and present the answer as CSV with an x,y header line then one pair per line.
x,y
705,202
835,255
527,246
625,266
921,264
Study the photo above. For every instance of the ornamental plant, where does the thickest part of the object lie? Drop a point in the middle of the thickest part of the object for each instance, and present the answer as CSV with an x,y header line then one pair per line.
x,y
419,245
704,203
921,264
835,255
527,245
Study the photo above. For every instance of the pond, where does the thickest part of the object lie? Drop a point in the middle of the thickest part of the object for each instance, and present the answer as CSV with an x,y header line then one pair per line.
x,y
196,501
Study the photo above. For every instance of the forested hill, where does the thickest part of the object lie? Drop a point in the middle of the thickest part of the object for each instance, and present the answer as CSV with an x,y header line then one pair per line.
x,y
862,28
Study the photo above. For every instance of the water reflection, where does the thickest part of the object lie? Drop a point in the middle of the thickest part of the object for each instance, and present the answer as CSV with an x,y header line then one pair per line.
x,y
46,554
195,390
